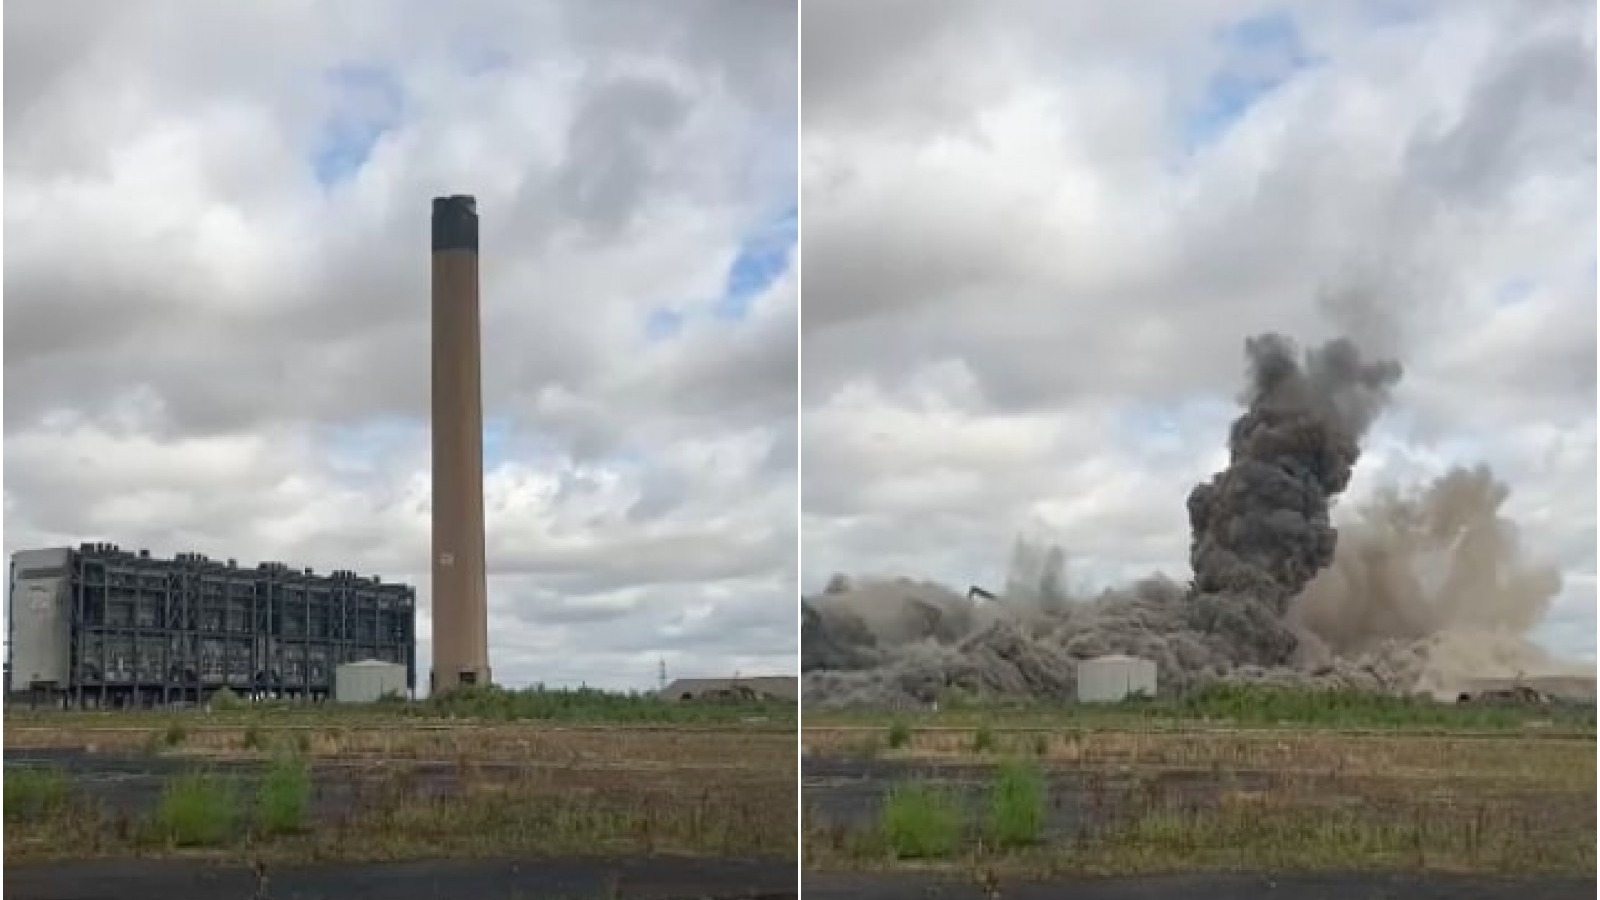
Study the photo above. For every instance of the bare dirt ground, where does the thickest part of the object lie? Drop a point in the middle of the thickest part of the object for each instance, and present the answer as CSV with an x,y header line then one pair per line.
x,y
898,886
650,879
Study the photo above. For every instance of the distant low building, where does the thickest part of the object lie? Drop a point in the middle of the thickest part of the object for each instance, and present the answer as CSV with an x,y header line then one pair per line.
x,y
761,687
1111,679
368,681
1569,689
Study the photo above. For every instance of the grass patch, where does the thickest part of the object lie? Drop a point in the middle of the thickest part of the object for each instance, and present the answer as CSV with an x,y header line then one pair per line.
x,y
590,705
196,810
226,700
582,706
921,822
284,797
34,792
174,735
899,735
253,739
1016,806
983,739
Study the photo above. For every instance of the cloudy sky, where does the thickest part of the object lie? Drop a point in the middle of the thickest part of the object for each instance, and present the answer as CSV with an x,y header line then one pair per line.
x,y
216,303
1027,281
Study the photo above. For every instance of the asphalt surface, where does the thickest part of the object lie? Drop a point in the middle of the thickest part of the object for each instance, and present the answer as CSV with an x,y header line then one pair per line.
x,y
130,784
839,886
640,879
848,793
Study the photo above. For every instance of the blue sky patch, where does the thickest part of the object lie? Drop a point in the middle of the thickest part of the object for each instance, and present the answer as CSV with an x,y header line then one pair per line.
x,y
368,104
498,432
762,259
1261,53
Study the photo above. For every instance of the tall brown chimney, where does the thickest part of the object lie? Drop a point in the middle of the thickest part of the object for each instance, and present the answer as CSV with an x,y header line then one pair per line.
x,y
460,595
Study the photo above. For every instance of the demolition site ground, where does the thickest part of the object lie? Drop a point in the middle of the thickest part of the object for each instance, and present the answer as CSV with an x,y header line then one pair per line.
x,y
321,802
1285,797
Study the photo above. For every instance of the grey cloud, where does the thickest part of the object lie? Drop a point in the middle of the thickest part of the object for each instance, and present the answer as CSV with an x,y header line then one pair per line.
x,y
611,148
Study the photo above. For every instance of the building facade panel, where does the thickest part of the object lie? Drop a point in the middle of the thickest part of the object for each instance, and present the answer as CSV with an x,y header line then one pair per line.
x,y
143,630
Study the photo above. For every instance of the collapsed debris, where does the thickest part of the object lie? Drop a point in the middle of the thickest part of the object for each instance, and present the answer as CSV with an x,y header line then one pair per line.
x,y
1420,592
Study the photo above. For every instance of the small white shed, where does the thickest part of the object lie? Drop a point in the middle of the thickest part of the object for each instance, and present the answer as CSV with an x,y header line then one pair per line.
x,y
368,680
1108,679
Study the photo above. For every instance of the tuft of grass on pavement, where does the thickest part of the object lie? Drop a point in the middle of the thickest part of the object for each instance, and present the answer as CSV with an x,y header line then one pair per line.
x,y
921,822
1016,806
33,792
284,797
196,810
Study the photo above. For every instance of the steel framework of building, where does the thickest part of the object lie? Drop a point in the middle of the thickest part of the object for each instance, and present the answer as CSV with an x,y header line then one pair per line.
x,y
146,630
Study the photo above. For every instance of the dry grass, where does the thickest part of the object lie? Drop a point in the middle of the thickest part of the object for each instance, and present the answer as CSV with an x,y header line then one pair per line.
x,y
1158,801
536,814
530,743
506,789
1559,762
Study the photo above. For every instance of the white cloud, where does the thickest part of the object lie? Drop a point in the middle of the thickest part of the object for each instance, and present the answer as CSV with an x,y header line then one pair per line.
x,y
216,293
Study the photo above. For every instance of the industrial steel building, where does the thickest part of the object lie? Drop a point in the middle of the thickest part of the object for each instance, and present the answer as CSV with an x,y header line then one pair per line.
x,y
100,626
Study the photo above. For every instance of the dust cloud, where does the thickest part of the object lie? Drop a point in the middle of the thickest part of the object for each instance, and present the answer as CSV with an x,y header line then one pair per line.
x,y
1416,592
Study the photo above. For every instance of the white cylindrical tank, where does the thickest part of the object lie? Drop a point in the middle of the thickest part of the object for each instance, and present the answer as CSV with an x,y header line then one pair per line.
x,y
368,680
1108,679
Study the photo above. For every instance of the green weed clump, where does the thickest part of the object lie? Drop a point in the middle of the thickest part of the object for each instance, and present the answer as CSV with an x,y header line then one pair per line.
x,y
174,735
983,739
921,822
33,792
196,810
899,735
285,796
1016,806
226,700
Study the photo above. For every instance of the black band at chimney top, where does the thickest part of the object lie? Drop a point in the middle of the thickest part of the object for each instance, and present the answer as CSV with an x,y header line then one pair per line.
x,y
455,223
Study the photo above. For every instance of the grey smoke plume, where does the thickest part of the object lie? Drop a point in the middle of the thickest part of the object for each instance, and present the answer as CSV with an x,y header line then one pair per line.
x,y
1261,528
1420,591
